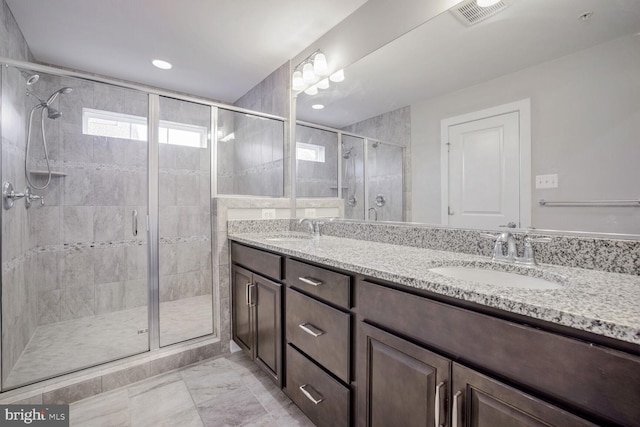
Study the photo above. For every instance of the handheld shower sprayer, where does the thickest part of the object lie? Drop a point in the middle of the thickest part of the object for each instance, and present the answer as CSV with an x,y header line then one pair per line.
x,y
52,113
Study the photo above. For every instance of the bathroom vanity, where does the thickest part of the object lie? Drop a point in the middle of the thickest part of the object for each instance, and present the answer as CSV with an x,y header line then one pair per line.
x,y
363,333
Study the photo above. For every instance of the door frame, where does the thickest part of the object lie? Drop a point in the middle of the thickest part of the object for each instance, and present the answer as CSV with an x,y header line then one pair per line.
x,y
523,108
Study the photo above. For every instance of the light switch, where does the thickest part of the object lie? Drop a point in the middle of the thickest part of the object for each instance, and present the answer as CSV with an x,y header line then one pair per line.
x,y
268,214
547,181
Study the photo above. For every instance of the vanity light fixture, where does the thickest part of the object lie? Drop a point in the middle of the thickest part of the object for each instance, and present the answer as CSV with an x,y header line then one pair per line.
x,y
313,74
163,65
337,77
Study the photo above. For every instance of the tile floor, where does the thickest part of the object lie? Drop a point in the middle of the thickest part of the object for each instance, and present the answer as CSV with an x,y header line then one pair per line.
x,y
227,391
68,346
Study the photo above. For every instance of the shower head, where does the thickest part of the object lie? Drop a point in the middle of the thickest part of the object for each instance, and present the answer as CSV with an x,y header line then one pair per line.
x,y
52,113
347,153
55,94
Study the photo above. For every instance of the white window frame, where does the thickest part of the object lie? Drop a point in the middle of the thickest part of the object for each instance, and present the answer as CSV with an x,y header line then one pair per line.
x,y
317,150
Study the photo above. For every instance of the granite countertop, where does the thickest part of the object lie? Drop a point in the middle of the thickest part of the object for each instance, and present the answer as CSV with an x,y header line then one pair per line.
x,y
599,302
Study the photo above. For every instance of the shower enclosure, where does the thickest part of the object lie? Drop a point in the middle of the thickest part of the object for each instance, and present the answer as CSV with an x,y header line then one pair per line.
x,y
106,242
372,179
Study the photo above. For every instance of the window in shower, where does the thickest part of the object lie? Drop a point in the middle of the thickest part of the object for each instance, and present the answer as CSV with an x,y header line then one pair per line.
x,y
309,152
126,126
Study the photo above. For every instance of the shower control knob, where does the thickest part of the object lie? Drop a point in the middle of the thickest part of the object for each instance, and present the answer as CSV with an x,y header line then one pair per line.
x,y
9,196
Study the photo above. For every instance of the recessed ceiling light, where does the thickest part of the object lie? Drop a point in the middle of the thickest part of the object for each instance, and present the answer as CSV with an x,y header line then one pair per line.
x,y
317,106
163,65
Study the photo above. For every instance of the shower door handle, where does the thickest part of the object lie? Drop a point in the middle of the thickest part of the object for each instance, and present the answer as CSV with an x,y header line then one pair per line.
x,y
134,222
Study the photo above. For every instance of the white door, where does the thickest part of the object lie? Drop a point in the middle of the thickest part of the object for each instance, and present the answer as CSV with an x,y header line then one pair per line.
x,y
484,172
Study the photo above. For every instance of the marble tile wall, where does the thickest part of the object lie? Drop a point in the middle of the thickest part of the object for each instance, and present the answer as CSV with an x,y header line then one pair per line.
x,y
88,261
19,293
185,220
393,126
353,177
18,302
385,178
317,179
256,161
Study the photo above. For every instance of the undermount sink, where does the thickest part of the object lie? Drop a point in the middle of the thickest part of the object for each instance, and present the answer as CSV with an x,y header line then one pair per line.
x,y
496,278
289,237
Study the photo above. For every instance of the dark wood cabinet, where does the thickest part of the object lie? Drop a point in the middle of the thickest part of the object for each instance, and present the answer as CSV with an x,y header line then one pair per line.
x,y
481,401
402,384
366,352
257,319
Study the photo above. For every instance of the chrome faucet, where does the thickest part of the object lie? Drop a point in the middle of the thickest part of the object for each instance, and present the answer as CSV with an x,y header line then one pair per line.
x,y
529,256
313,224
511,254
498,249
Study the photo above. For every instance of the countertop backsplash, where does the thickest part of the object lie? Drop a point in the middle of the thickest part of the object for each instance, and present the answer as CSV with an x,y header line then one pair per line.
x,y
594,253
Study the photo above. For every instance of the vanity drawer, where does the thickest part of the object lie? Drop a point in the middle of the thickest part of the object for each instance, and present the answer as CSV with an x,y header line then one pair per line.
x,y
324,400
595,379
265,263
326,284
320,331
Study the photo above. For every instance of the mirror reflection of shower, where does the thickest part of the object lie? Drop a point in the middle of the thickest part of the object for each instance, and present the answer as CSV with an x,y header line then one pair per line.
x,y
51,113
350,174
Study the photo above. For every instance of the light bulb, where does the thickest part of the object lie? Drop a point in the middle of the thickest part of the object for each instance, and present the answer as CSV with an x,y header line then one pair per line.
x,y
323,84
317,106
320,64
337,77
307,73
313,90
297,83
487,3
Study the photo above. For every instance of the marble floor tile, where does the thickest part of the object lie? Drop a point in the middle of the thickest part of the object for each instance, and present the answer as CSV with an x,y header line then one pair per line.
x,y
63,347
105,410
226,391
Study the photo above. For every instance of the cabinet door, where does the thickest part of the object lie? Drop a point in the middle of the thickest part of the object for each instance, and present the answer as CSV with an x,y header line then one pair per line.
x,y
399,383
484,402
268,326
241,310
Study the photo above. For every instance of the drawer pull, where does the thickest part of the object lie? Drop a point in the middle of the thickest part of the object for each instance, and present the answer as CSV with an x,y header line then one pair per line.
x,y
310,329
438,404
310,281
309,395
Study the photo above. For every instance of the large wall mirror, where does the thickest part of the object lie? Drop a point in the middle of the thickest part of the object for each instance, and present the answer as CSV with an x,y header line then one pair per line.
x,y
529,117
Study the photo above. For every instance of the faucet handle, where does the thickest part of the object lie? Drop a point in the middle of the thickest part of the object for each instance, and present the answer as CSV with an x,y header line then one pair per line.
x,y
489,236
529,255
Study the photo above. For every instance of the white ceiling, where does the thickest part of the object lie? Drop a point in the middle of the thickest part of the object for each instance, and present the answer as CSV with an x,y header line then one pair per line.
x,y
443,55
219,48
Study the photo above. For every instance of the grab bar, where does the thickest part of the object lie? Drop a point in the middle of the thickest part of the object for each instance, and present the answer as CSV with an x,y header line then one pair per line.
x,y
620,203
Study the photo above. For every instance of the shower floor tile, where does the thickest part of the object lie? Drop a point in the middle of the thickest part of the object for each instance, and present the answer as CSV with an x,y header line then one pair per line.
x,y
65,347
229,390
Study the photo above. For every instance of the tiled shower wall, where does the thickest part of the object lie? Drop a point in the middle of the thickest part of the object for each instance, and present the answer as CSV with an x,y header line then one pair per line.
x,y
256,162
89,259
19,302
20,317
353,177
385,179
185,196
395,127
317,179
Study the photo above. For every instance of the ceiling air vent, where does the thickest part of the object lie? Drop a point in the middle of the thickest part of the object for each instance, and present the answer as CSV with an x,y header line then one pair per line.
x,y
469,13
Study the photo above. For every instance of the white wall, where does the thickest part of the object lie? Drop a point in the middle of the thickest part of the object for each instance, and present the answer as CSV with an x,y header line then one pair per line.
x,y
585,127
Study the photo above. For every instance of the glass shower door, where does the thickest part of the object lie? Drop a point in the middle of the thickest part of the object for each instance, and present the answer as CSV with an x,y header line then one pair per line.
x,y
385,181
185,264
74,262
